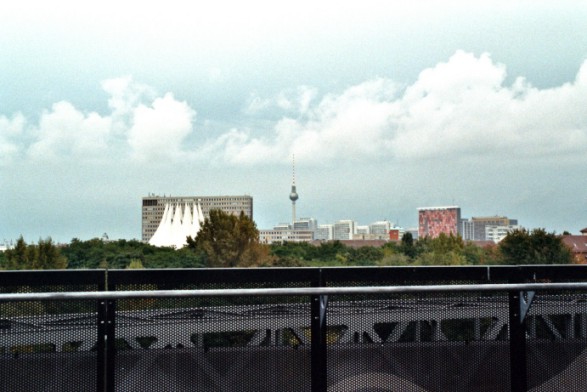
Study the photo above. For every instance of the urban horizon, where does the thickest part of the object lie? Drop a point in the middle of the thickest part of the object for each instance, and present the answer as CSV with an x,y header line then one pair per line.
x,y
387,107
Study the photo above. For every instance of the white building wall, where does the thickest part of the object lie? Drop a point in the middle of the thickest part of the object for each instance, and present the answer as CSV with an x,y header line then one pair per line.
x,y
344,230
498,233
324,232
381,227
362,230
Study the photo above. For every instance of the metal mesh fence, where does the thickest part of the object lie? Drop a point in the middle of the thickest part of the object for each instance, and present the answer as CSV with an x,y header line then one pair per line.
x,y
450,341
557,329
418,343
213,343
48,346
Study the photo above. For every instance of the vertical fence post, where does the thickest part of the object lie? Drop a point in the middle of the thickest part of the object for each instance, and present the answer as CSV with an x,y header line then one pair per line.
x,y
318,341
318,338
110,345
105,346
106,334
101,346
517,335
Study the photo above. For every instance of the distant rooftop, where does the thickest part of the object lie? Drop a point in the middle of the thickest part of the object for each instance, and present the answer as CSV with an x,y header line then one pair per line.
x,y
438,208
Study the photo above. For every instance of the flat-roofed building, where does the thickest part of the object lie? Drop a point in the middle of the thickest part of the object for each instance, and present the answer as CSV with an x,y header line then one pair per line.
x,y
480,224
285,235
153,208
324,232
344,230
306,224
362,230
380,227
432,221
396,233
497,233
475,229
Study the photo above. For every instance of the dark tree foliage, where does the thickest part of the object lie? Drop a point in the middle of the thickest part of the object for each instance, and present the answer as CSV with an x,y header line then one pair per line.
x,y
44,255
292,254
365,255
97,253
536,247
330,250
476,255
227,240
407,245
327,253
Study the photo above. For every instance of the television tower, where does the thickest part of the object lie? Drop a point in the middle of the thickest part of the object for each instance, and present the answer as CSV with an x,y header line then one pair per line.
x,y
293,195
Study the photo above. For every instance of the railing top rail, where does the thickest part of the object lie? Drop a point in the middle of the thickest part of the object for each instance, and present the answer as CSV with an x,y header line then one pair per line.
x,y
299,291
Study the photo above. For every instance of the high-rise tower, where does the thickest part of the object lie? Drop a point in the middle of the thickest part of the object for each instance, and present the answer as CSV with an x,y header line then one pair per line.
x,y
293,195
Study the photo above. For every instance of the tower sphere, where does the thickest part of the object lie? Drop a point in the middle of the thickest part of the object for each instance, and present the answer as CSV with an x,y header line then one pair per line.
x,y
293,196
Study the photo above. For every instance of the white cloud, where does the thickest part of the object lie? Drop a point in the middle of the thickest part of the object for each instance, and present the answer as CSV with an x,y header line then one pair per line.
x,y
138,126
256,104
461,107
159,130
125,96
293,101
65,131
10,130
298,100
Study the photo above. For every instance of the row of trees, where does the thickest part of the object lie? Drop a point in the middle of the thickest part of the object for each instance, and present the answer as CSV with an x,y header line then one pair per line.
x,y
519,247
227,240
44,255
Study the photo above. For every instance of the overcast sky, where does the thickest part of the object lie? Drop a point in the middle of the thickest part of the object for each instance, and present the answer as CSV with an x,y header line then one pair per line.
x,y
387,106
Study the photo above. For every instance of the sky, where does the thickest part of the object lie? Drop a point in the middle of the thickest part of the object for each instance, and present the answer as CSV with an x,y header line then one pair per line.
x,y
388,106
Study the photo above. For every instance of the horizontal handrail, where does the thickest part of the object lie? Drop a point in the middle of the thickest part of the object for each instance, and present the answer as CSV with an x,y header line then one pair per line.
x,y
298,291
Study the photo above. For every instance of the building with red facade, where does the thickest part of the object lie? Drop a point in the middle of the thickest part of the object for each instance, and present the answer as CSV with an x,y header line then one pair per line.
x,y
435,220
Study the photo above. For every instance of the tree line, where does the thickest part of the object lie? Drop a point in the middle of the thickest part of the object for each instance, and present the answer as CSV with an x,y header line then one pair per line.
x,y
227,240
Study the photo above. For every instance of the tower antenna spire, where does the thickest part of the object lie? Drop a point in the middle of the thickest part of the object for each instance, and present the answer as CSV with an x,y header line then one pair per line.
x,y
293,195
293,166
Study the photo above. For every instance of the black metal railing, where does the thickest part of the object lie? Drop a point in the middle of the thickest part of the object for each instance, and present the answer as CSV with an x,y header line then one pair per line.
x,y
318,329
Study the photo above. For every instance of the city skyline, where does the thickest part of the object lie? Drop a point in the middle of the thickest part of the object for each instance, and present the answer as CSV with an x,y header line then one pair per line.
x,y
387,107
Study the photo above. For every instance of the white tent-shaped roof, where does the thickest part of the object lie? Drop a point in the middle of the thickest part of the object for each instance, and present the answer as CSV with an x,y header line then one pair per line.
x,y
177,224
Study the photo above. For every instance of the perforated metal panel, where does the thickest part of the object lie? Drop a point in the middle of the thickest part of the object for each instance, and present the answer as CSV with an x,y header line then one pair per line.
x,y
557,342
48,346
213,344
386,342
418,343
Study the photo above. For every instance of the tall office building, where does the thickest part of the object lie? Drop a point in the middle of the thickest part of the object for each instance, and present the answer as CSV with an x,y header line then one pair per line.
x,y
362,230
381,227
467,229
476,228
324,232
306,224
435,220
343,230
497,233
481,223
154,206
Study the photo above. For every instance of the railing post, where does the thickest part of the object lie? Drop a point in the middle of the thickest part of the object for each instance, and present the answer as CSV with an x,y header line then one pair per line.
x,y
105,346
318,338
110,345
517,335
101,347
318,341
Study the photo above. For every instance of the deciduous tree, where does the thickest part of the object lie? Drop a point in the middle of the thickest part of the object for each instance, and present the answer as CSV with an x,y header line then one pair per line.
x,y
536,247
229,241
